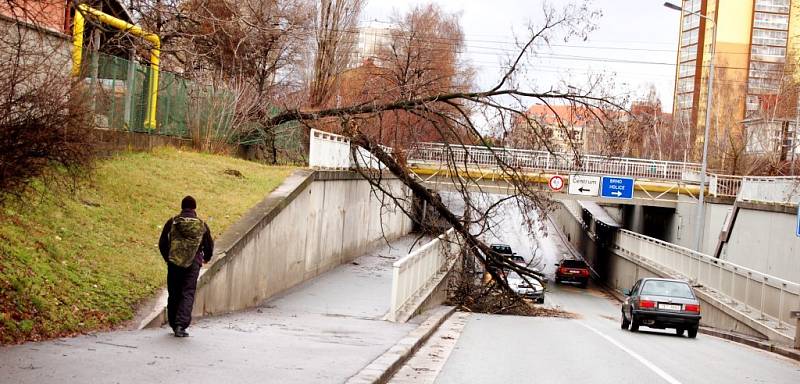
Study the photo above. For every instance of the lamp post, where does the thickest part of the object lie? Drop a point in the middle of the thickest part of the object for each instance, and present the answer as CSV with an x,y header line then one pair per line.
x,y
698,232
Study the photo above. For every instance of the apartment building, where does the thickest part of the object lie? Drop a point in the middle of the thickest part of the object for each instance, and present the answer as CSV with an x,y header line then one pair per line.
x,y
756,43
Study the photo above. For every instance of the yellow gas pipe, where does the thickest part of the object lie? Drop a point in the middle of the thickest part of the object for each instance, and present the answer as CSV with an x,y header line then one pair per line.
x,y
122,25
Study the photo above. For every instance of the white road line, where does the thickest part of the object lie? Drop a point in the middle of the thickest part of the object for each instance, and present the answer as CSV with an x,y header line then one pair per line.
x,y
633,354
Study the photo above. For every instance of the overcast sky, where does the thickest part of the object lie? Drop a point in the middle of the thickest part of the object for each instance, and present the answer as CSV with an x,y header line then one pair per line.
x,y
636,40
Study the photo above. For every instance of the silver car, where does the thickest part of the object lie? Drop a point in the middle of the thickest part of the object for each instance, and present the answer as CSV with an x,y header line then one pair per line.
x,y
661,303
534,290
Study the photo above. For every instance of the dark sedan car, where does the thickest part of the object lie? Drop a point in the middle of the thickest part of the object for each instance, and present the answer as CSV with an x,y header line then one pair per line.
x,y
661,303
573,271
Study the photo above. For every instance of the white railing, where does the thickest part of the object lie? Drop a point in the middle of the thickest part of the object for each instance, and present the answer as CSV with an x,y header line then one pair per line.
x,y
331,151
458,155
327,150
419,271
770,189
724,185
768,296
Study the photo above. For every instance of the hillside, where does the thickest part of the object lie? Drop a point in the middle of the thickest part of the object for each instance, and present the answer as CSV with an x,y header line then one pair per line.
x,y
79,259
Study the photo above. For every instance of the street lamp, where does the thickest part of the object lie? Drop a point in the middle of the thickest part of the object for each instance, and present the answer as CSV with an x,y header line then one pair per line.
x,y
698,233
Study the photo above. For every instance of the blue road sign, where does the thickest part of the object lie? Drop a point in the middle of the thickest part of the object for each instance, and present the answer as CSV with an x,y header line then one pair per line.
x,y
616,187
797,226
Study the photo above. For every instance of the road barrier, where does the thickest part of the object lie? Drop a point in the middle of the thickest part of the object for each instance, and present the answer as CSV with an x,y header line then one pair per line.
x,y
415,276
765,296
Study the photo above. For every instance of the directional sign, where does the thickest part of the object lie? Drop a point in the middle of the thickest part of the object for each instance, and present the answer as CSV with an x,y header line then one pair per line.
x,y
797,226
556,183
617,187
584,185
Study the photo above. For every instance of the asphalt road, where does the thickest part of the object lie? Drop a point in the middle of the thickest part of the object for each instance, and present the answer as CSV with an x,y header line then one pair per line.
x,y
591,348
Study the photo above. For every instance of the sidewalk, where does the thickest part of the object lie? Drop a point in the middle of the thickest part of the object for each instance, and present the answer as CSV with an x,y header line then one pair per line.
x,y
323,331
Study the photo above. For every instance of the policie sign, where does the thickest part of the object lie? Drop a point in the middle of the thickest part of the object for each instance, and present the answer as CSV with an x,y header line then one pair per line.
x,y
617,187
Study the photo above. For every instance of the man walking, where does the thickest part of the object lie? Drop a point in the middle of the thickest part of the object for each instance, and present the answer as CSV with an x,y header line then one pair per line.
x,y
185,244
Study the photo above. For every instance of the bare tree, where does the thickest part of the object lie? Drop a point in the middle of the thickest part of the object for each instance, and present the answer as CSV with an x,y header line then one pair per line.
x,y
335,35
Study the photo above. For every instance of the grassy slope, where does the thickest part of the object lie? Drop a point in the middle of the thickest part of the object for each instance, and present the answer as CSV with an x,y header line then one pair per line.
x,y
81,260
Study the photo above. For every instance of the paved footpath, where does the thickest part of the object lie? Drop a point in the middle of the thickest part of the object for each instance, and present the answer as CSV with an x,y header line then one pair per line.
x,y
323,331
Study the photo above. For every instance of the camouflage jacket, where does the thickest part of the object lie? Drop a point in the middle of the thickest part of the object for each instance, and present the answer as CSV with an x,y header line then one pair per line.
x,y
206,249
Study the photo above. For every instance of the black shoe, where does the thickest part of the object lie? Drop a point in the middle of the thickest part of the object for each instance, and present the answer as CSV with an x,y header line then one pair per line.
x,y
180,332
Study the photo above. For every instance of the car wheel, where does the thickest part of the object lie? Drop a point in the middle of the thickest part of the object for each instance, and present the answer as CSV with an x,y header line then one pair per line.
x,y
540,300
625,323
584,284
679,331
558,281
634,324
693,332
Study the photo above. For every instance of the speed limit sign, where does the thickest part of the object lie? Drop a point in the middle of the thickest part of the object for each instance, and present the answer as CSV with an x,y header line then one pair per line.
x,y
556,183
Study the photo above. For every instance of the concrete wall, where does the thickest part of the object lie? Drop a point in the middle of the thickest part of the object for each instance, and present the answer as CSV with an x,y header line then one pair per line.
x,y
682,226
313,222
39,48
763,238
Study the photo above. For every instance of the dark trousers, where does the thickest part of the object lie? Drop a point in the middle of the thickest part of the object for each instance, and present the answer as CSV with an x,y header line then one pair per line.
x,y
181,285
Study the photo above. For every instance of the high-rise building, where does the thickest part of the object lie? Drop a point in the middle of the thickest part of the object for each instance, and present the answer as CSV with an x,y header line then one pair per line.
x,y
755,40
372,39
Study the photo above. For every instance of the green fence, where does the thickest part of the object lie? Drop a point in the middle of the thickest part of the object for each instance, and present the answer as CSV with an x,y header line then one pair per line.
x,y
118,89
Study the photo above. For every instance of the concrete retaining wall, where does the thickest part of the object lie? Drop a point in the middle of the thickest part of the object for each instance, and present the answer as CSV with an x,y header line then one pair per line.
x,y
314,222
764,239
311,224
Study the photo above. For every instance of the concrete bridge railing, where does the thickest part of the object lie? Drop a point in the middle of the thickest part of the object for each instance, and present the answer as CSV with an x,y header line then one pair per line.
x,y
770,189
417,276
332,151
766,297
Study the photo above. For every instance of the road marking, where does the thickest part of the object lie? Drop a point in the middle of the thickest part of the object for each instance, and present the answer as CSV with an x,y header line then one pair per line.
x,y
647,363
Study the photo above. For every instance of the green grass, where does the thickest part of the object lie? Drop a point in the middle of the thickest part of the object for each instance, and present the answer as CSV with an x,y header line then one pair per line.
x,y
79,260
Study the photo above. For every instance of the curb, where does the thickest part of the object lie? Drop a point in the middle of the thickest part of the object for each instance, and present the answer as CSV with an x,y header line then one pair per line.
x,y
793,354
382,369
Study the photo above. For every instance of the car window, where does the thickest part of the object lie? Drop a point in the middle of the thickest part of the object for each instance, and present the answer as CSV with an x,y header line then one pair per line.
x,y
635,288
667,288
501,248
573,264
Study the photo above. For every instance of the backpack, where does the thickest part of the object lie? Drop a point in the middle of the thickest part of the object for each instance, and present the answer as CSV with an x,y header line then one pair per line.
x,y
185,237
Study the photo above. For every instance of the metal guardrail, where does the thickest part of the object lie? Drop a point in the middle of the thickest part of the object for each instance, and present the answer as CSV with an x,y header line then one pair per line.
x,y
529,160
769,296
329,150
544,160
419,270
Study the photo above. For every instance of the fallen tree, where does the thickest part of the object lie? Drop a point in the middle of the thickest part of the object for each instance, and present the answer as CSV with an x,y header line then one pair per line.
x,y
458,117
